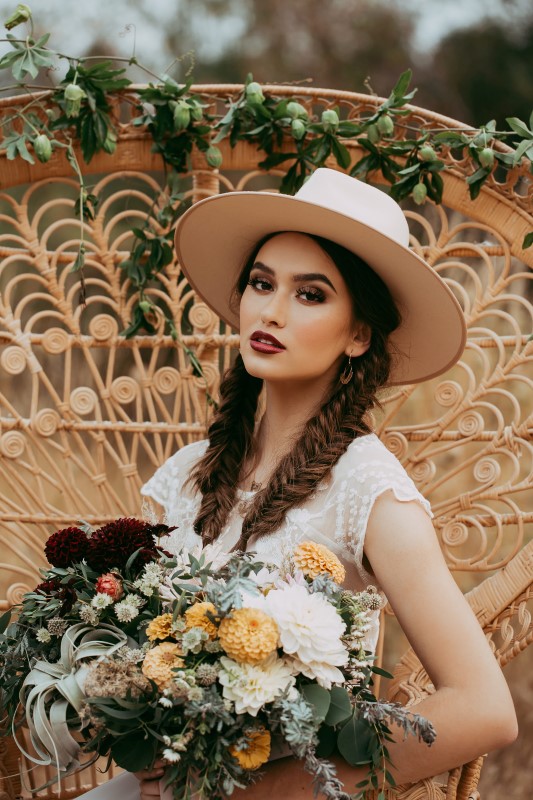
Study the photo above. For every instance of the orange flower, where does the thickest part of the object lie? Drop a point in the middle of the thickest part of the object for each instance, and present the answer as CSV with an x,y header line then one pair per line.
x,y
160,627
196,617
249,635
257,751
159,663
314,559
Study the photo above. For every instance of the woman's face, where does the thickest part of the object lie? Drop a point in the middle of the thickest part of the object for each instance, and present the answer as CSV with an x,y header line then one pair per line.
x,y
296,314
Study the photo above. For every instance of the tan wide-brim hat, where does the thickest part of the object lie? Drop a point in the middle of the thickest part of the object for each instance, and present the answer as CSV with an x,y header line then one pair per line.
x,y
216,235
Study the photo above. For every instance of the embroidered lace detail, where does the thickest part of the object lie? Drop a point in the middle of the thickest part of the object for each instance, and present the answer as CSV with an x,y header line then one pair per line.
x,y
335,515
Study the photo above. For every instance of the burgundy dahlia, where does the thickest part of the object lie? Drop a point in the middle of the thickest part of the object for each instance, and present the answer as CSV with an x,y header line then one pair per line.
x,y
111,545
63,592
66,547
48,587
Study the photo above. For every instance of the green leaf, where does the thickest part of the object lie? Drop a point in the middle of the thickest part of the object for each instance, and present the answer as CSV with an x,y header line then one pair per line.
x,y
79,263
519,127
341,153
133,752
403,83
327,741
5,619
357,742
523,149
340,707
528,240
319,698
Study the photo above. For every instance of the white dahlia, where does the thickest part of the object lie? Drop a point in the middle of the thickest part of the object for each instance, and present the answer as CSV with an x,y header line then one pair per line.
x,y
250,686
310,629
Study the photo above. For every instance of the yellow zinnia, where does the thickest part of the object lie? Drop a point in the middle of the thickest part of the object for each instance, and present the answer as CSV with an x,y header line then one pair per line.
x,y
314,559
160,661
249,635
196,617
257,750
160,627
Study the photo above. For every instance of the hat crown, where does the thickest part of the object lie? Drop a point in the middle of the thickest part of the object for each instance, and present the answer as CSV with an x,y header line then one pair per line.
x,y
360,201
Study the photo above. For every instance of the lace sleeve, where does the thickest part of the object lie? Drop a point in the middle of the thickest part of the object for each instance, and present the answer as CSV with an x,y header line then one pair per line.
x,y
166,484
376,472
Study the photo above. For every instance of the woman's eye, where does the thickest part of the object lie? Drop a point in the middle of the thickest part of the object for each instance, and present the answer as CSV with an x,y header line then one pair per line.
x,y
260,284
311,294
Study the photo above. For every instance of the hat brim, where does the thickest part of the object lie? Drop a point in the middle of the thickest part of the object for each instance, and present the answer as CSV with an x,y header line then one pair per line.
x,y
215,236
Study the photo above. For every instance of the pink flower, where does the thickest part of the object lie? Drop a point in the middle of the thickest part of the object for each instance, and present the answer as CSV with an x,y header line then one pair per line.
x,y
111,585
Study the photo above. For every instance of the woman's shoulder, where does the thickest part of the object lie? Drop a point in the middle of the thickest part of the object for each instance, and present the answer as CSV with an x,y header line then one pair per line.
x,y
370,469
368,449
171,475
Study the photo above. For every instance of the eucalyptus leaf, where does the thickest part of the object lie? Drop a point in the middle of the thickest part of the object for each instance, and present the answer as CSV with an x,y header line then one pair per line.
x,y
319,698
528,240
340,707
134,752
357,742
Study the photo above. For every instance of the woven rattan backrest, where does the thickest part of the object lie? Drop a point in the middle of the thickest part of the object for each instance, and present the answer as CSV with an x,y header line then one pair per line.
x,y
86,415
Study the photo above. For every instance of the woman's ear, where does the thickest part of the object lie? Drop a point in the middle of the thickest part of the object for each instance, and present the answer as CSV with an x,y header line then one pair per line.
x,y
360,341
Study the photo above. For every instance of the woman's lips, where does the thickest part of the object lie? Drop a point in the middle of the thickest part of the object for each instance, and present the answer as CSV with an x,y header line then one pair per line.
x,y
265,343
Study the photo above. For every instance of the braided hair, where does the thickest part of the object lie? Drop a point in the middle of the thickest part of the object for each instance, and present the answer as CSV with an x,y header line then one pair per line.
x,y
324,438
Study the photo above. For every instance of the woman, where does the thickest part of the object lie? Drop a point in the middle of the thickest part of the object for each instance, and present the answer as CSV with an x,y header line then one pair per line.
x,y
331,305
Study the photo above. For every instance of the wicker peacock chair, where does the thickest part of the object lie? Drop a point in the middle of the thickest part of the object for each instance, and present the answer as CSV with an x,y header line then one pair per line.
x,y
86,415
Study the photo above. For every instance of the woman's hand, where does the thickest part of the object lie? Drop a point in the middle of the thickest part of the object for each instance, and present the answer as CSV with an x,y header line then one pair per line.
x,y
149,780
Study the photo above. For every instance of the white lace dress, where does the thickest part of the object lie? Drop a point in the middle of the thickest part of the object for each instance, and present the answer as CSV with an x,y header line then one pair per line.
x,y
336,515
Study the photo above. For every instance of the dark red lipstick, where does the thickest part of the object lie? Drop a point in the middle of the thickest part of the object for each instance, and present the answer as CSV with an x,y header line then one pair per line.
x,y
265,343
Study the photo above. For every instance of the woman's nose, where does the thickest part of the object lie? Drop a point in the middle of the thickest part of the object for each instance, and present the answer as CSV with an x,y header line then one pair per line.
x,y
274,311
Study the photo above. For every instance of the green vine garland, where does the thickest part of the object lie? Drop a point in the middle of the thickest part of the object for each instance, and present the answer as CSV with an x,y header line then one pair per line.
x,y
78,110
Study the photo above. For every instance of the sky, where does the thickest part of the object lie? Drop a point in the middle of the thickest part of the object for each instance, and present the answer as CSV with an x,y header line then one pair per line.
x,y
76,24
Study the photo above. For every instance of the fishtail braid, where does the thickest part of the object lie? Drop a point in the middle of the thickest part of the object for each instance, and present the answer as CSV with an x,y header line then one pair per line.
x,y
230,441
325,438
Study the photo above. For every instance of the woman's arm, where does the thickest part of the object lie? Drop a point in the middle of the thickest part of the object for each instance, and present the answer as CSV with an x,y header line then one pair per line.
x,y
471,708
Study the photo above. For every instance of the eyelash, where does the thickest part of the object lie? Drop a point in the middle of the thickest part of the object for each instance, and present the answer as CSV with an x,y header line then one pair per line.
x,y
315,295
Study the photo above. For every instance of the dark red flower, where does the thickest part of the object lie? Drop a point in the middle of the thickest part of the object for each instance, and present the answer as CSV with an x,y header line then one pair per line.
x,y
48,587
111,545
66,547
63,592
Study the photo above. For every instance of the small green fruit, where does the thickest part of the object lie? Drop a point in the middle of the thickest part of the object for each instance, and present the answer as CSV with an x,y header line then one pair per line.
x,y
196,111
427,153
214,156
486,157
145,306
296,110
254,93
74,94
298,129
420,194
42,147
373,133
22,13
182,115
330,120
385,125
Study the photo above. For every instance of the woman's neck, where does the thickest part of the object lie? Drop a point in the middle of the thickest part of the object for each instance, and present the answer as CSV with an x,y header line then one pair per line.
x,y
284,418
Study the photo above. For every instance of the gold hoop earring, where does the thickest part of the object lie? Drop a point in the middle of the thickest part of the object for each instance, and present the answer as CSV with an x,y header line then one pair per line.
x,y
347,373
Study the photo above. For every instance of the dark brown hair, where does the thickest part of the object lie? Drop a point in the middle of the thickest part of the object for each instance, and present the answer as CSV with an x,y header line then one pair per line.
x,y
324,437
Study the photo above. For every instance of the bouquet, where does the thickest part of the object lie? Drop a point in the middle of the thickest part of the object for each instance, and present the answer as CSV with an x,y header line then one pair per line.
x,y
208,661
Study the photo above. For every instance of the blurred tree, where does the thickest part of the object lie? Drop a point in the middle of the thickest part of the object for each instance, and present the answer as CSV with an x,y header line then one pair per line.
x,y
482,73
338,44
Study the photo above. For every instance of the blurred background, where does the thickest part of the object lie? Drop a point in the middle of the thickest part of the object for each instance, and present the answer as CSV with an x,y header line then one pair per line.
x,y
471,59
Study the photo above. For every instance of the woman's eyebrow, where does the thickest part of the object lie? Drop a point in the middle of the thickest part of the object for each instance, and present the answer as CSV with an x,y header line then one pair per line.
x,y
303,276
